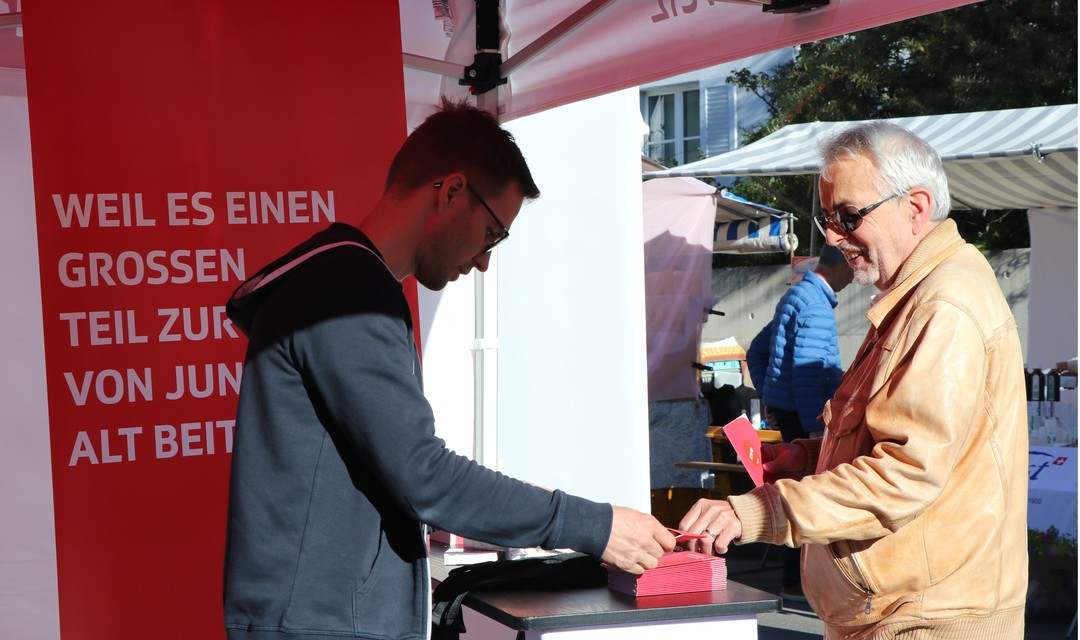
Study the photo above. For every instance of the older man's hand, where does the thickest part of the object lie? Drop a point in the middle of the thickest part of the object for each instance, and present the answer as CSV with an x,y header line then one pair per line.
x,y
717,520
783,460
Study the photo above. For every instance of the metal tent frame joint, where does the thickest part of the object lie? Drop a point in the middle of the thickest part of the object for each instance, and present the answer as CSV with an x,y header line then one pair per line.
x,y
483,74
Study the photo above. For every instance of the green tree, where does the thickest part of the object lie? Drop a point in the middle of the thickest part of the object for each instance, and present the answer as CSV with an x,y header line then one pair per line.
x,y
997,54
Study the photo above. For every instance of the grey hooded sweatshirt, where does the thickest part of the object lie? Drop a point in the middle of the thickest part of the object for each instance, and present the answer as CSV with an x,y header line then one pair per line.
x,y
336,464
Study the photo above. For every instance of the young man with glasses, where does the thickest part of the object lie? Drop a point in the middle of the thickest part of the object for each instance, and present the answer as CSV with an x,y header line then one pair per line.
x,y
913,508
336,466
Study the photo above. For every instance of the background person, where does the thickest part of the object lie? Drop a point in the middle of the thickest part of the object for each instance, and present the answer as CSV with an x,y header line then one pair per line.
x,y
794,363
335,463
913,507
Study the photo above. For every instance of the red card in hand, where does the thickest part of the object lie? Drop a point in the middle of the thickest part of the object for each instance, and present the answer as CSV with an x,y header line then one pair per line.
x,y
685,535
744,438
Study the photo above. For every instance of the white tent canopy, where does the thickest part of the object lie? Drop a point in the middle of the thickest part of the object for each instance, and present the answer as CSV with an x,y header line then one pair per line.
x,y
560,51
1008,159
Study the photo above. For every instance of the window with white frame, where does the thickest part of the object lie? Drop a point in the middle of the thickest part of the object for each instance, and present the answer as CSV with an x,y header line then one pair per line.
x,y
673,118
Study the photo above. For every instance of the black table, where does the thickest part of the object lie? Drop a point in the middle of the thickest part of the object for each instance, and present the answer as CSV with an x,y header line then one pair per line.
x,y
544,610
545,614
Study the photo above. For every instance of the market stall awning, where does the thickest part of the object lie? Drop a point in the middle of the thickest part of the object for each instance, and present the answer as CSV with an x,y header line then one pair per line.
x,y
738,225
1008,159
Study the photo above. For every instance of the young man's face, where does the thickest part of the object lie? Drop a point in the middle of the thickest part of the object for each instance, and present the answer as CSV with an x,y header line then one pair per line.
x,y
454,244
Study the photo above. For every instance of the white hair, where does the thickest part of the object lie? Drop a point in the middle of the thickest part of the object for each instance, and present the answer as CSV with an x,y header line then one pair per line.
x,y
903,161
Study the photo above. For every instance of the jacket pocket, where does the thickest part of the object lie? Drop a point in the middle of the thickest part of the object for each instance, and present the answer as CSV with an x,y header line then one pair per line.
x,y
842,417
393,599
836,585
338,550
848,563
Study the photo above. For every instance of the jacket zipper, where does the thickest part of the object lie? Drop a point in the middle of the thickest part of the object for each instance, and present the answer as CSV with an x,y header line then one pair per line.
x,y
865,583
859,578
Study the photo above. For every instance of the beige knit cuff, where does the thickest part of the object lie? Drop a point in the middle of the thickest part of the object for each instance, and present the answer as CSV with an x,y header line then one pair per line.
x,y
757,513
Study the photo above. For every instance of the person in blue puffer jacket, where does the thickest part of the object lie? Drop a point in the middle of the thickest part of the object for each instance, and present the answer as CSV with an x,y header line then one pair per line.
x,y
794,363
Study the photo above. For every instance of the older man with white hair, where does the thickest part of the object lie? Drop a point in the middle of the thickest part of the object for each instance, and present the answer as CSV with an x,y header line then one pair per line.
x,y
913,507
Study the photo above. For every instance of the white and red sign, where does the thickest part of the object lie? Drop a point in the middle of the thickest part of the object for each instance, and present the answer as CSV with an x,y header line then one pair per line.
x,y
1052,489
177,147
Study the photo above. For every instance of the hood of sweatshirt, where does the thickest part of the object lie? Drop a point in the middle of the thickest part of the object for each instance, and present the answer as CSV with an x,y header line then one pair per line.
x,y
244,302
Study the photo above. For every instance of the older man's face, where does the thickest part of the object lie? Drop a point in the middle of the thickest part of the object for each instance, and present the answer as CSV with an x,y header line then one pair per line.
x,y
883,241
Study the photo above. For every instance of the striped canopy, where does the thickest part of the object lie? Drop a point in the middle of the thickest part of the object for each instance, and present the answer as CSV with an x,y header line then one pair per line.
x,y
1008,159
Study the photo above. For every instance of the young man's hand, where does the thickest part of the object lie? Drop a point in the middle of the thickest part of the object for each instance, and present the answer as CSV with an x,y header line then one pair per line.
x,y
637,541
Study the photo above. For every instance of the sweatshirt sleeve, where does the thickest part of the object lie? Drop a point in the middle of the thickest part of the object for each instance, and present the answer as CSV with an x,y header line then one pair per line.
x,y
360,361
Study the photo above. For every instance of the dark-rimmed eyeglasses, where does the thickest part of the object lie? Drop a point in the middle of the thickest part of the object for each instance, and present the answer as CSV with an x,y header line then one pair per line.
x,y
503,231
848,217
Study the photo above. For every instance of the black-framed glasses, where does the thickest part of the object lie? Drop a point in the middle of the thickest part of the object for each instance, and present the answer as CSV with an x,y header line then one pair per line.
x,y
504,232
848,217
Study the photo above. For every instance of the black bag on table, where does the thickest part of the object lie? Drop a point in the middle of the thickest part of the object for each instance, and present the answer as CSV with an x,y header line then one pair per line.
x,y
562,571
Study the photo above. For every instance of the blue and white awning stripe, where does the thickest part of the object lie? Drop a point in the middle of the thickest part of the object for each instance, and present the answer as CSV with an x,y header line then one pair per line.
x,y
773,233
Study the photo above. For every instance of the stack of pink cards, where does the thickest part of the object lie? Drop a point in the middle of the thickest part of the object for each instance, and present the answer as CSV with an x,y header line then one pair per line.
x,y
678,572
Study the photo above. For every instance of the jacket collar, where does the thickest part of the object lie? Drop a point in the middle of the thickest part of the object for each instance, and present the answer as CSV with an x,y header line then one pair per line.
x,y
822,284
941,242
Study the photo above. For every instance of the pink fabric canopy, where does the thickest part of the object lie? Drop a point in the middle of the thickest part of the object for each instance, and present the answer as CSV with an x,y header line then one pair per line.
x,y
560,51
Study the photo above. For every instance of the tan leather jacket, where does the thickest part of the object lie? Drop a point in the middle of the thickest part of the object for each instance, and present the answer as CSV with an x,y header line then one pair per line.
x,y
916,511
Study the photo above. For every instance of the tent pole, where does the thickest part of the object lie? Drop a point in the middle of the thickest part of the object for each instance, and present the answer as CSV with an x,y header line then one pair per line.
x,y
486,341
431,65
553,35
485,366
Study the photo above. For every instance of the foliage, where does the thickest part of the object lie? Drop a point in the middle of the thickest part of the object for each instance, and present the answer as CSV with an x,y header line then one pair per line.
x,y
999,54
1052,544
1051,573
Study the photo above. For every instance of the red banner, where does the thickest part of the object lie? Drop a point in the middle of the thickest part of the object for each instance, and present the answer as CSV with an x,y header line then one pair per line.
x,y
177,147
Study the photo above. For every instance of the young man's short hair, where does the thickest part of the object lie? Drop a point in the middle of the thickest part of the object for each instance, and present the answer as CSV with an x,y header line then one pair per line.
x,y
458,137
